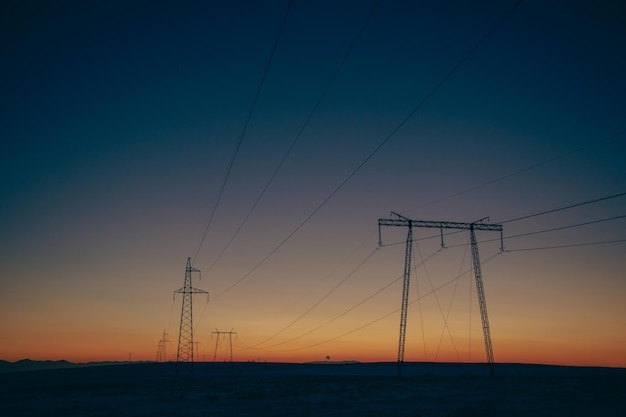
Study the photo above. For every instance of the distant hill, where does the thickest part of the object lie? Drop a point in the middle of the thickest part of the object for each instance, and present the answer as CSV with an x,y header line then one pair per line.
x,y
31,365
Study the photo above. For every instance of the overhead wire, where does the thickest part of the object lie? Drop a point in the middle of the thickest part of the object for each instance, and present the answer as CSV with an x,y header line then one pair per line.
x,y
571,245
445,284
338,316
447,317
419,309
243,131
498,179
342,263
299,134
240,140
509,175
567,227
541,213
414,110
443,316
324,297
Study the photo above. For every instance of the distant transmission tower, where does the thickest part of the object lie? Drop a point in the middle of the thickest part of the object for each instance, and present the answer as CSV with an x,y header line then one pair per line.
x,y
197,350
217,342
161,351
185,334
405,222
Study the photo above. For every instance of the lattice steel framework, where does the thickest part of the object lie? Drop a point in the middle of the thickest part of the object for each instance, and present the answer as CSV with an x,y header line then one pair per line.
x,y
217,341
402,221
405,296
185,334
161,352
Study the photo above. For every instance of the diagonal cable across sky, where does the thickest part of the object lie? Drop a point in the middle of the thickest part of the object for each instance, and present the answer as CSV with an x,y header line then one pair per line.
x,y
393,132
243,131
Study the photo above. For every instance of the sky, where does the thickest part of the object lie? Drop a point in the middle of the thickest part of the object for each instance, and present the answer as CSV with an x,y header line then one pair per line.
x,y
133,129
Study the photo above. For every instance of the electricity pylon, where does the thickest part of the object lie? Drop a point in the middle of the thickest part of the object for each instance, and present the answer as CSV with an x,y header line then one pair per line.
x,y
472,227
185,334
161,355
217,341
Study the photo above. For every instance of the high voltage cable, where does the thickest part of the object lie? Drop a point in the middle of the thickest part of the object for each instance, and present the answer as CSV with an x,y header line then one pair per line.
x,y
541,213
324,297
338,316
297,137
243,131
419,308
415,109
566,227
326,323
443,316
388,314
446,327
503,177
498,179
571,245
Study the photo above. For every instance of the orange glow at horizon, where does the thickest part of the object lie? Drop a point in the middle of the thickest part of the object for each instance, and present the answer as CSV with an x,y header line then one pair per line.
x,y
80,346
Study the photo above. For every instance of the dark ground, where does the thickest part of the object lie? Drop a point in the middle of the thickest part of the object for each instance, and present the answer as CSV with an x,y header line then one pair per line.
x,y
262,389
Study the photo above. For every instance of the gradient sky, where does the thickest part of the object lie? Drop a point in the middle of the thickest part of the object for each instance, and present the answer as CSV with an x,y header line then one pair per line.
x,y
119,120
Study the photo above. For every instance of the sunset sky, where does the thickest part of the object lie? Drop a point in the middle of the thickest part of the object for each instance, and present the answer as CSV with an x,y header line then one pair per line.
x,y
119,121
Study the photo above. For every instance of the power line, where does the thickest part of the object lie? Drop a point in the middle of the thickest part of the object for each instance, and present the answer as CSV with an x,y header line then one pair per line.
x,y
567,227
419,309
360,303
443,316
326,323
415,109
297,137
541,213
572,245
553,229
498,179
388,314
324,297
446,327
243,131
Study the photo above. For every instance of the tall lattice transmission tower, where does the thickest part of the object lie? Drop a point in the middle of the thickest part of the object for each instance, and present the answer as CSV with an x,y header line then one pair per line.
x,y
184,355
402,221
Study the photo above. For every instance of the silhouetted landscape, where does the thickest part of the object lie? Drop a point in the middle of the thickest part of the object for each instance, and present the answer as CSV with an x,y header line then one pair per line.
x,y
314,389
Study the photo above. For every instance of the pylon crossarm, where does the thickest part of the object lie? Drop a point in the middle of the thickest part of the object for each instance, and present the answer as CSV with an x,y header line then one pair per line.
x,y
404,222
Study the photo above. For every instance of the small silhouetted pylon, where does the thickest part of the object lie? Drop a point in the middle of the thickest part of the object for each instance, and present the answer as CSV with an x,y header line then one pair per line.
x,y
184,354
161,351
230,342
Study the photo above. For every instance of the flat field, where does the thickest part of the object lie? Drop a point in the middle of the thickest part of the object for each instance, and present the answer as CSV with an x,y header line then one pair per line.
x,y
353,389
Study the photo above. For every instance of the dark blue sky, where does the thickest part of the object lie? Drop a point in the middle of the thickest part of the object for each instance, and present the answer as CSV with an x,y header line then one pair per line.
x,y
119,121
